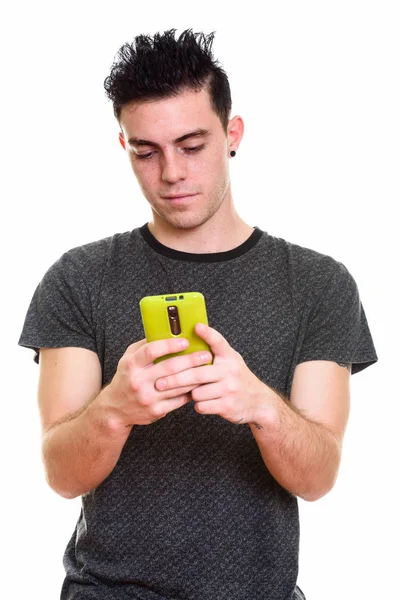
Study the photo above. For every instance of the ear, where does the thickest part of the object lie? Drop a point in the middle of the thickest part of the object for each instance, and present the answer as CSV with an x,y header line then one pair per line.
x,y
235,132
122,140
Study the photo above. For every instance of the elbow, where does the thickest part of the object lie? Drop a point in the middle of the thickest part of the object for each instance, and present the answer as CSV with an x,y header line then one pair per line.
x,y
314,496
67,494
319,491
53,472
61,481
325,483
61,491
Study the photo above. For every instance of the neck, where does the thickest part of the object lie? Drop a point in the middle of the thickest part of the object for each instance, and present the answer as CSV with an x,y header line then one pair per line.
x,y
225,230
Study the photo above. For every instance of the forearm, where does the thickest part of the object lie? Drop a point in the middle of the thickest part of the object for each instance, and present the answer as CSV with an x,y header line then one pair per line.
x,y
303,456
80,452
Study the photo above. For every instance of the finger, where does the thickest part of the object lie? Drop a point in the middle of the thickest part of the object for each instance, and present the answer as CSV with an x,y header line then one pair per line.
x,y
209,407
177,364
173,393
168,406
149,352
216,407
206,393
136,345
193,377
214,339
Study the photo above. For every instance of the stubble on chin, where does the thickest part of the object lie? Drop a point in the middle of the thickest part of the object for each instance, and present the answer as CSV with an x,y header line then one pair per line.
x,y
182,220
191,217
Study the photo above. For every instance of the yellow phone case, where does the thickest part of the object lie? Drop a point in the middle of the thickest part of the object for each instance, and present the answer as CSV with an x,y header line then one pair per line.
x,y
160,323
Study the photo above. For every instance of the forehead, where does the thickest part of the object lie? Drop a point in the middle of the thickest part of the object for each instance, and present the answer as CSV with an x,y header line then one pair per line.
x,y
168,118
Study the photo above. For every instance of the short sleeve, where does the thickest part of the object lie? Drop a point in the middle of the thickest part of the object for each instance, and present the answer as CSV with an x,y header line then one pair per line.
x,y
337,329
60,312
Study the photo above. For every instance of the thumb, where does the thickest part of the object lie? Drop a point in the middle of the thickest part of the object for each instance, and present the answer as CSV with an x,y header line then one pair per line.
x,y
214,339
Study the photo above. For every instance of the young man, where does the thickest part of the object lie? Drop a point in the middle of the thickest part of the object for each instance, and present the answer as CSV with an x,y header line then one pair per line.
x,y
189,473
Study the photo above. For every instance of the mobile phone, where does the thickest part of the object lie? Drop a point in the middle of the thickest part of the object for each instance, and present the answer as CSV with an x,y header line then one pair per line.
x,y
174,316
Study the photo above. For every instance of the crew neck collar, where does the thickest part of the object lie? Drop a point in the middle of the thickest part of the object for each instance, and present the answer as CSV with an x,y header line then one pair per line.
x,y
194,257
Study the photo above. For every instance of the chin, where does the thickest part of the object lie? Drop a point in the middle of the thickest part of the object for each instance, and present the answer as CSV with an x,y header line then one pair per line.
x,y
183,220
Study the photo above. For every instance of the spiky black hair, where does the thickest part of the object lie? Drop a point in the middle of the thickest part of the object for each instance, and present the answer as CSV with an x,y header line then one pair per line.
x,y
162,67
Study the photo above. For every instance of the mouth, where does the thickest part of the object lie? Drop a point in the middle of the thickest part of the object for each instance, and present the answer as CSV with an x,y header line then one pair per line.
x,y
179,198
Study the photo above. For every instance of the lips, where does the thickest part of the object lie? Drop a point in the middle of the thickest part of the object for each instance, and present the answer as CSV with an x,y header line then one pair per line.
x,y
176,196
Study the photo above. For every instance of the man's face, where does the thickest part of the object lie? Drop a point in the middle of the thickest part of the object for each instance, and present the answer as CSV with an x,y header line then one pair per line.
x,y
168,162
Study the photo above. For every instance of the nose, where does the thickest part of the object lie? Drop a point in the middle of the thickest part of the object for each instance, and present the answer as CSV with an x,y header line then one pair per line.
x,y
173,167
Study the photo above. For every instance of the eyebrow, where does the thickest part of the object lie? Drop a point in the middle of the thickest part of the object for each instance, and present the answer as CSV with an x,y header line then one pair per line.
x,y
197,133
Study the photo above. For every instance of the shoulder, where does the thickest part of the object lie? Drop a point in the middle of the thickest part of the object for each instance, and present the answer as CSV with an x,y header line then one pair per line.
x,y
301,256
305,265
86,265
97,253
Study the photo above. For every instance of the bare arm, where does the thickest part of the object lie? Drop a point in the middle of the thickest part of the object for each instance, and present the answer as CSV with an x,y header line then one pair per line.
x,y
78,447
301,442
302,456
81,452
84,427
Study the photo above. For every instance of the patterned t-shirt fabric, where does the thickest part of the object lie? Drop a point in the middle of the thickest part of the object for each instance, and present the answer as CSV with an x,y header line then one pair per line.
x,y
190,511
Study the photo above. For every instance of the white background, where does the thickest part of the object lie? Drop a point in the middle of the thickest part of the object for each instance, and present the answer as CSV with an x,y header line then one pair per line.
x,y
317,84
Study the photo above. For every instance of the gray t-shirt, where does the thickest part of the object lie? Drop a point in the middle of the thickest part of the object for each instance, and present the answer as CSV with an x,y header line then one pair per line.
x,y
190,511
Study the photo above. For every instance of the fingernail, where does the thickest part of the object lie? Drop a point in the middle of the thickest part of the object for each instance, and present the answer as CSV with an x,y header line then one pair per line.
x,y
161,384
183,343
205,356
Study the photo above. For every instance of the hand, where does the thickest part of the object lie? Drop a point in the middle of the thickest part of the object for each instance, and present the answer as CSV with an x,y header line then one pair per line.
x,y
132,399
227,387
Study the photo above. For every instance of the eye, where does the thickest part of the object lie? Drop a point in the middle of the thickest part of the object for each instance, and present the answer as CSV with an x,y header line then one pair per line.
x,y
189,150
142,156
194,148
